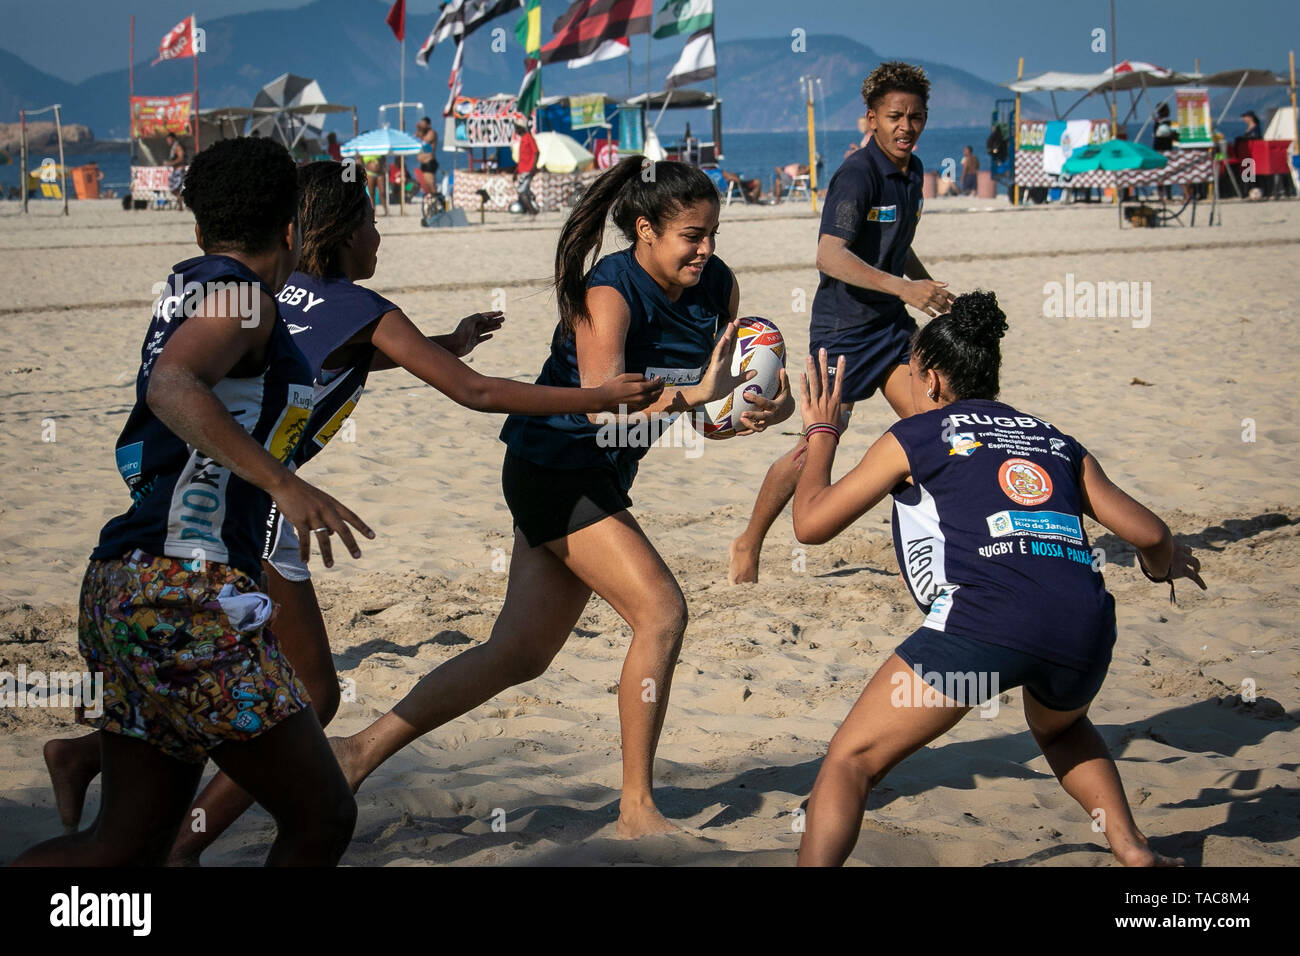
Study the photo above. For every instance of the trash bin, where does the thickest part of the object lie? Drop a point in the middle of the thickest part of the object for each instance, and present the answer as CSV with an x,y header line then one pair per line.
x,y
985,187
85,179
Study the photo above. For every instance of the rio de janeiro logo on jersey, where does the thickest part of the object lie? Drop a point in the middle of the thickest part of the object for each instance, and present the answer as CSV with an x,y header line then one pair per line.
x,y
1024,482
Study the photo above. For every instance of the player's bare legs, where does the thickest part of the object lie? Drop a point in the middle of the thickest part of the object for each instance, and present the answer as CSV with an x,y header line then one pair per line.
x,y
778,485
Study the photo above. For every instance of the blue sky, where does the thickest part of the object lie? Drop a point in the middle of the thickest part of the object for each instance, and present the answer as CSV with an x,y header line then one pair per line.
x,y
76,39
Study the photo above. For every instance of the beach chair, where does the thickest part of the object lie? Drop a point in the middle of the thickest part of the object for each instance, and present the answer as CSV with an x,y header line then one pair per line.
x,y
725,189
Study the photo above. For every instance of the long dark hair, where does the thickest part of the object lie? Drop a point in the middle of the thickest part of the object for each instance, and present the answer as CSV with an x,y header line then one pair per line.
x,y
633,189
964,345
331,206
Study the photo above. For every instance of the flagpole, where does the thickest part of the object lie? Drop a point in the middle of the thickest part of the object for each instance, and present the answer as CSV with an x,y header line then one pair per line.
x,y
130,90
194,55
401,110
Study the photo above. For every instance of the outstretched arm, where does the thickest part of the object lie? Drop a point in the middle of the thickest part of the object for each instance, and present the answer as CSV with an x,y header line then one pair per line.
x,y
821,509
1107,503
398,338
837,260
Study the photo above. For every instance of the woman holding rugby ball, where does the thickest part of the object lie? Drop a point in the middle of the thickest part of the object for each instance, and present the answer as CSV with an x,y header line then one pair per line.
x,y
664,306
988,528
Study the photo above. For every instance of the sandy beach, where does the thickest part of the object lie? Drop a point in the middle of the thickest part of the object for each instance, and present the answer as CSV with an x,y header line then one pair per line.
x,y
1189,406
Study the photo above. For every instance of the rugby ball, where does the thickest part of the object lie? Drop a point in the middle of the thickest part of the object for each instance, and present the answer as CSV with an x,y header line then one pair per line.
x,y
759,346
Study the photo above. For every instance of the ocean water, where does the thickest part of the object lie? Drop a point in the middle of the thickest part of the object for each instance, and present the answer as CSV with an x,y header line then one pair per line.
x,y
747,154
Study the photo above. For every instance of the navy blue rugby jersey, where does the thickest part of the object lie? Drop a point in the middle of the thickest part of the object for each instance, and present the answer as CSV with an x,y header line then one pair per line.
x,y
670,339
183,503
322,314
990,535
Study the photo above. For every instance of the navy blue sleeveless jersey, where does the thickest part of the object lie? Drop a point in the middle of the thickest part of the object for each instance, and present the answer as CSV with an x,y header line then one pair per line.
x,y
670,339
990,535
322,314
184,504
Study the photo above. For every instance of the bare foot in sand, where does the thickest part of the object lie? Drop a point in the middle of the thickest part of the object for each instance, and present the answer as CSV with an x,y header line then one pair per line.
x,y
72,763
348,753
744,563
1140,854
642,820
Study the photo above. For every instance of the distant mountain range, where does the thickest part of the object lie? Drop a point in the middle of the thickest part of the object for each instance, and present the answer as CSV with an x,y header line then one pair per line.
x,y
349,49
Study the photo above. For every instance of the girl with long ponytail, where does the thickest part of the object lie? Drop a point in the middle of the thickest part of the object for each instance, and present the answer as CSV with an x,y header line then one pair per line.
x,y
665,307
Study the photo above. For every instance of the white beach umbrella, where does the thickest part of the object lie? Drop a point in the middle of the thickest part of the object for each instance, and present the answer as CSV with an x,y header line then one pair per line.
x,y
557,153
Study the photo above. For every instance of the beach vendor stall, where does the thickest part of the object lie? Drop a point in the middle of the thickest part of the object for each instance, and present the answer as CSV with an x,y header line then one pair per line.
x,y
484,129
1042,147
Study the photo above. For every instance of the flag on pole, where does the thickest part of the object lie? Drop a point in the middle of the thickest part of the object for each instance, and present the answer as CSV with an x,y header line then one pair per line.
x,y
528,29
453,80
683,16
620,46
396,19
460,18
530,91
584,27
697,62
178,43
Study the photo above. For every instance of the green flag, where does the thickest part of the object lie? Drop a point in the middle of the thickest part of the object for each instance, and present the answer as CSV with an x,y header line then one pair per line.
x,y
683,16
530,92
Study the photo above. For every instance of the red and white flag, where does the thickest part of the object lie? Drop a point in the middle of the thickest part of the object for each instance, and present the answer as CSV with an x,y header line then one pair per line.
x,y
178,43
396,19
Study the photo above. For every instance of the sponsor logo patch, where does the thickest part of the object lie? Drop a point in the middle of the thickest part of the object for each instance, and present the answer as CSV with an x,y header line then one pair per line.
x,y
1024,482
882,214
964,444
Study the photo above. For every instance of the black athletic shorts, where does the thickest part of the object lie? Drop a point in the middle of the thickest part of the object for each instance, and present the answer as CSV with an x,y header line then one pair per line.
x,y
550,503
1055,686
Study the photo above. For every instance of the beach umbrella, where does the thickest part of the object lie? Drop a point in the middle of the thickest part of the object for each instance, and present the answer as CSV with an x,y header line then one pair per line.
x,y
557,153
383,142
284,92
1114,155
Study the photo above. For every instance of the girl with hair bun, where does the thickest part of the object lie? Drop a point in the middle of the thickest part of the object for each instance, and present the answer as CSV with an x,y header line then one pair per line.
x,y
988,530
665,307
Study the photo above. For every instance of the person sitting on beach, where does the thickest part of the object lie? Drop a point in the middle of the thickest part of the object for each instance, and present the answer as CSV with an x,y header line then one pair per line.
x,y
1011,591
345,331
172,615
751,189
946,186
665,303
969,171
784,177
869,275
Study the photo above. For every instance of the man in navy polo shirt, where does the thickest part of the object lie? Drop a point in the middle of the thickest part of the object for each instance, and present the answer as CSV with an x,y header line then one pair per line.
x,y
869,274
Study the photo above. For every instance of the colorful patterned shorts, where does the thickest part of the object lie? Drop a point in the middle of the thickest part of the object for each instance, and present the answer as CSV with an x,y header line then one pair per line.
x,y
177,674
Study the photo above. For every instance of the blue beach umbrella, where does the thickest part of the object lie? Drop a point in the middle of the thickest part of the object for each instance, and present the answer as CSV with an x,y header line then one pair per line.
x,y
382,142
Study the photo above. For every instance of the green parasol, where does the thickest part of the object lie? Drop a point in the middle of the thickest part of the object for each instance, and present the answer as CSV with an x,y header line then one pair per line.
x,y
1114,155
